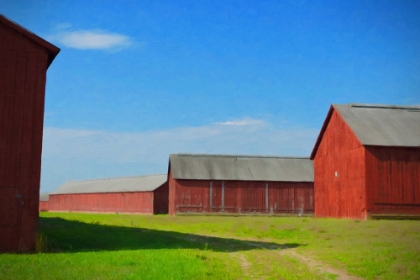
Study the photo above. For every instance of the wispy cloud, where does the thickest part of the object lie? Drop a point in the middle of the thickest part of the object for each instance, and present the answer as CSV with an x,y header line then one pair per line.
x,y
244,122
72,154
88,39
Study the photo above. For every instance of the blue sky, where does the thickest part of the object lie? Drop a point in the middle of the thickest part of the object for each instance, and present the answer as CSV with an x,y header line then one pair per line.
x,y
138,80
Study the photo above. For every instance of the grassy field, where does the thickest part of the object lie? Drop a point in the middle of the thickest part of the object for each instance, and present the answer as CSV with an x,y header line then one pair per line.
x,y
112,246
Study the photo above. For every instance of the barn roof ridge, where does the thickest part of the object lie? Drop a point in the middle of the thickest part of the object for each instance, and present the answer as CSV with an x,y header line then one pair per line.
x,y
382,106
52,49
378,125
241,156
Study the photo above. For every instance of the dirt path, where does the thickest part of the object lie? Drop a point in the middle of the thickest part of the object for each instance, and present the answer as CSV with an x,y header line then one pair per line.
x,y
279,250
313,265
247,269
316,265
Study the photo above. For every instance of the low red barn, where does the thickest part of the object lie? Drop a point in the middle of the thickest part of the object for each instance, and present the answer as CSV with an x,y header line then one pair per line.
x,y
141,194
24,60
240,184
367,162
43,202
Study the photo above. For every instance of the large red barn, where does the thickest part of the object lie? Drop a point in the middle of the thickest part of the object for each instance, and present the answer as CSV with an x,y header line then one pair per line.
x,y
24,60
367,162
140,194
240,184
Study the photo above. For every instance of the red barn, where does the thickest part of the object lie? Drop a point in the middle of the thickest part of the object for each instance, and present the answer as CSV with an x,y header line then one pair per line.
x,y
240,184
43,202
142,194
367,162
24,60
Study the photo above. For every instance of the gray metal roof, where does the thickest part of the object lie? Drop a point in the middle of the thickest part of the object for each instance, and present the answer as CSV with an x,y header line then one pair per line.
x,y
242,168
44,197
124,184
382,125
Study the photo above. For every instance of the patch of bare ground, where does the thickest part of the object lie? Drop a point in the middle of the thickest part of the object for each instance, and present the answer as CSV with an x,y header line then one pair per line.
x,y
317,265
279,250
246,266
311,263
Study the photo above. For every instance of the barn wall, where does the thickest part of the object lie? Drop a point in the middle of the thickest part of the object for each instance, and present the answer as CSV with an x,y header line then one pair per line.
x,y
339,167
23,67
161,199
204,196
291,197
394,180
129,202
43,206
172,187
190,196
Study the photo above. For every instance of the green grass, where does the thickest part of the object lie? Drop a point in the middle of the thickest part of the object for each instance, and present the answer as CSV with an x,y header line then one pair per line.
x,y
111,246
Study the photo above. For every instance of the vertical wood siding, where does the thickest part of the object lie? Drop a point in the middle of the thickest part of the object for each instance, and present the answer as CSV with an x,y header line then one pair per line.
x,y
394,180
291,197
161,199
215,196
43,206
172,187
129,202
193,196
23,66
339,166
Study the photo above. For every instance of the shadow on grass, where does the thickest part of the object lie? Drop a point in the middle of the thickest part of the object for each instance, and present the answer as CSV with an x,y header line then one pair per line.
x,y
73,236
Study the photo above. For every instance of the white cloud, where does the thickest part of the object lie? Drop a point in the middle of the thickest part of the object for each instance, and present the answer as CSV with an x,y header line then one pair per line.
x,y
91,39
72,154
244,122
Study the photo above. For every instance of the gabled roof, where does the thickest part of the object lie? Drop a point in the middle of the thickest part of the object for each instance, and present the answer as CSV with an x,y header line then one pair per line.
x,y
242,168
378,125
51,49
124,184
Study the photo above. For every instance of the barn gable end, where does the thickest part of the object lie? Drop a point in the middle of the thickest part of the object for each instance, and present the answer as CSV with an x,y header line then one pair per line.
x,y
339,180
366,161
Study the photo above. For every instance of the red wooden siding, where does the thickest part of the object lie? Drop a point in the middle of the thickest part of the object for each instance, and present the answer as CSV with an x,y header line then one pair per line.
x,y
291,197
191,196
23,66
43,206
160,199
172,187
339,167
394,180
129,202
204,196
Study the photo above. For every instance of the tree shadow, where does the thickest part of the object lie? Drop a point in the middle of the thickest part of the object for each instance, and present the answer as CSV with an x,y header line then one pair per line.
x,y
73,236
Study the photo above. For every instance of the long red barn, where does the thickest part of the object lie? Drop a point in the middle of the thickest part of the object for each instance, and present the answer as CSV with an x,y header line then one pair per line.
x,y
367,162
140,194
44,202
240,184
24,60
